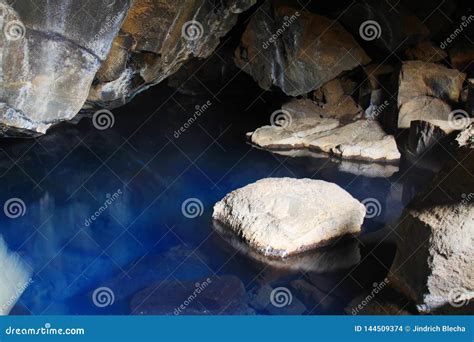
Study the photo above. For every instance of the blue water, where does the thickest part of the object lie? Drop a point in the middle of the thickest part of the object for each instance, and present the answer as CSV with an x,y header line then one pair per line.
x,y
143,238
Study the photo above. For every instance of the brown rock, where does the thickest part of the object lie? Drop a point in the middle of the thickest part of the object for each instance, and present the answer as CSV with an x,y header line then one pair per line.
x,y
426,51
160,36
425,89
428,79
295,50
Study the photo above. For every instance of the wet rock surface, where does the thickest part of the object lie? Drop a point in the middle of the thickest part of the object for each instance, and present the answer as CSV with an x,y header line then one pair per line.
x,y
283,216
360,140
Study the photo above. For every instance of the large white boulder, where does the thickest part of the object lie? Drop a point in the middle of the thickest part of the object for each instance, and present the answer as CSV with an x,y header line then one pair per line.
x,y
285,216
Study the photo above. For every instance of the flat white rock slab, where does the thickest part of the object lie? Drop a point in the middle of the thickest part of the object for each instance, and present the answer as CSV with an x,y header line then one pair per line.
x,y
285,216
360,140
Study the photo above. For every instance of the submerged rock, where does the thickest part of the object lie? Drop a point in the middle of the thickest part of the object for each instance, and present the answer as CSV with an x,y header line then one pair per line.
x,y
362,139
283,216
296,50
217,295
49,59
435,248
425,91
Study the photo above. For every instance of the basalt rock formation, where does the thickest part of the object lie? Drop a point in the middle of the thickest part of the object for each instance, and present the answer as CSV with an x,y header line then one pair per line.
x,y
156,39
49,58
433,265
55,55
296,50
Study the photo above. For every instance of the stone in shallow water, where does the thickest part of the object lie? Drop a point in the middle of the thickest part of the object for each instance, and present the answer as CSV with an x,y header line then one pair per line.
x,y
341,256
362,139
435,248
224,295
283,216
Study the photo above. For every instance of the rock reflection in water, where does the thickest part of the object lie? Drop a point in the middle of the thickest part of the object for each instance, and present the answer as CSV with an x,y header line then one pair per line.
x,y
358,168
14,278
340,256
